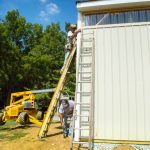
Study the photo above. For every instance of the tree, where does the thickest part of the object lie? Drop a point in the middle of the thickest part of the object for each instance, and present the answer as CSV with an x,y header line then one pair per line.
x,y
30,57
42,64
15,25
9,62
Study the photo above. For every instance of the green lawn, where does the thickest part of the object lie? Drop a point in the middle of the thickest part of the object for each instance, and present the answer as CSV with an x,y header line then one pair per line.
x,y
11,131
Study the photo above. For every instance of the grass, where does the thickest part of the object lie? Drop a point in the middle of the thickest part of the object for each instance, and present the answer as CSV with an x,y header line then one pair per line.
x,y
10,136
8,126
2,136
9,131
16,135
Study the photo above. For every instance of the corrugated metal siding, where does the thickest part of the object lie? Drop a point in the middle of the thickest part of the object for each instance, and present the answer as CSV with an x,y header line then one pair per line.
x,y
122,82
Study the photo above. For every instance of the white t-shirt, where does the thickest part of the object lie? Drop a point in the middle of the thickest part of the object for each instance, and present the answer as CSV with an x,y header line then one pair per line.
x,y
69,40
69,109
70,33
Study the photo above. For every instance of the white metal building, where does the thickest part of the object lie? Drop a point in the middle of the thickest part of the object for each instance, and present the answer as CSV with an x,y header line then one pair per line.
x,y
119,31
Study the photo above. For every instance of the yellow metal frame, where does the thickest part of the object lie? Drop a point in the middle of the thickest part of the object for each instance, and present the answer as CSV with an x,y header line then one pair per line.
x,y
27,95
118,141
17,107
34,120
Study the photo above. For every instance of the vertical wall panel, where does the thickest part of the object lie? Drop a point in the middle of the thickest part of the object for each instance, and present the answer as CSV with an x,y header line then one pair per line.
x,y
131,83
146,55
116,85
122,82
99,104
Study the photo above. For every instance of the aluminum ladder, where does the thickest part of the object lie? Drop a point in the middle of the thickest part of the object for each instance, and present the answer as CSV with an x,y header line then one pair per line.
x,y
83,111
53,104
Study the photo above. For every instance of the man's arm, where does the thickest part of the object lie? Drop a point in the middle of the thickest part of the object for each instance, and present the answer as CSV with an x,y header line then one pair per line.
x,y
61,119
75,34
61,115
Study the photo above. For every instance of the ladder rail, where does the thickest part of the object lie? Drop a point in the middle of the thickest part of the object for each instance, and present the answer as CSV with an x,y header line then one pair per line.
x,y
92,98
81,82
74,111
51,109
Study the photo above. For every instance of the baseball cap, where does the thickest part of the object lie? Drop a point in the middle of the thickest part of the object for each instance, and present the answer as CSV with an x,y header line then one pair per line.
x,y
73,26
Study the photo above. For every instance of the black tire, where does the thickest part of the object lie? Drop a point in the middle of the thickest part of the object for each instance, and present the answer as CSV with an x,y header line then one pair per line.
x,y
2,122
23,118
40,115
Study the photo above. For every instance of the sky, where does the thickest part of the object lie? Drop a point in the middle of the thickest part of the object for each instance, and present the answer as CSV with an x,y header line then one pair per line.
x,y
42,11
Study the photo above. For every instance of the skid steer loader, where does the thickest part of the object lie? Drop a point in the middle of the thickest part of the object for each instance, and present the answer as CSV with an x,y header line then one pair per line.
x,y
23,108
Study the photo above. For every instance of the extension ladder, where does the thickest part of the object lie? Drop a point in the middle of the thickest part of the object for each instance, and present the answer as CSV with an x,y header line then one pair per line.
x,y
83,111
53,104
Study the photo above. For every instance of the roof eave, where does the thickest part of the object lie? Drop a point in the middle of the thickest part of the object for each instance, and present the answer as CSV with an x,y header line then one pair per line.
x,y
110,4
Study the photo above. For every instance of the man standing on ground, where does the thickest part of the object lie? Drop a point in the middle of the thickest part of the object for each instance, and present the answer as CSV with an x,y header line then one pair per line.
x,y
65,113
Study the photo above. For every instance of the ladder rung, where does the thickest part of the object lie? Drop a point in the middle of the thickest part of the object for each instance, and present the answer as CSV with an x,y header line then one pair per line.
x,y
85,63
84,93
87,77
81,115
85,124
86,51
85,109
87,40
84,81
85,55
81,129
84,72
86,106
86,48
82,104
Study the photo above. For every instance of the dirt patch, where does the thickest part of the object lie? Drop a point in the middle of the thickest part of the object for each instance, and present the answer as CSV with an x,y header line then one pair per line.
x,y
25,138
30,141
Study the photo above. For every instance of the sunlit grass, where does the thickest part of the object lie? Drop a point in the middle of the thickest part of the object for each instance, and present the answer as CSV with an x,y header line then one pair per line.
x,y
10,131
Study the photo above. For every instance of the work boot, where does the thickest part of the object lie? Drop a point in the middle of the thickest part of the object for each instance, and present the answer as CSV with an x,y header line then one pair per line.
x,y
65,135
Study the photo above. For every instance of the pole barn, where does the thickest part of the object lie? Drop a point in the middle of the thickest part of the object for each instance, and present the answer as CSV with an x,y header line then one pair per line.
x,y
118,34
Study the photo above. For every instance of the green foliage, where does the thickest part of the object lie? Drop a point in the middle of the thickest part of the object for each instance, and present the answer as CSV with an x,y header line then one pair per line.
x,y
30,57
67,26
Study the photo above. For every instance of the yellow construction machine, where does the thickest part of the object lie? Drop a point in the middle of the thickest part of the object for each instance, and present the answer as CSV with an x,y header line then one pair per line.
x,y
23,108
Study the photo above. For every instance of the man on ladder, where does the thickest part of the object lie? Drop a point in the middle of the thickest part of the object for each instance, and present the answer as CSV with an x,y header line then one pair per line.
x,y
72,33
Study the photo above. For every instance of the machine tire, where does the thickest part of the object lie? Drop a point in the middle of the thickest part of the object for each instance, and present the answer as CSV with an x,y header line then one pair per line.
x,y
1,119
40,115
23,118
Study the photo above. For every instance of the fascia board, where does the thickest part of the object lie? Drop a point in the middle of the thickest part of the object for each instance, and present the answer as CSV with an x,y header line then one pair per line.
x,y
110,4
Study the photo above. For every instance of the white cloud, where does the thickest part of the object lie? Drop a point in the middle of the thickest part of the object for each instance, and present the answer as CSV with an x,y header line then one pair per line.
x,y
43,1
49,10
52,9
42,14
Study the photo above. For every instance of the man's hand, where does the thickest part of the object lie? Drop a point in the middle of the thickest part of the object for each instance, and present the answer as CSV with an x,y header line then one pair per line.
x,y
61,119
62,124
79,30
